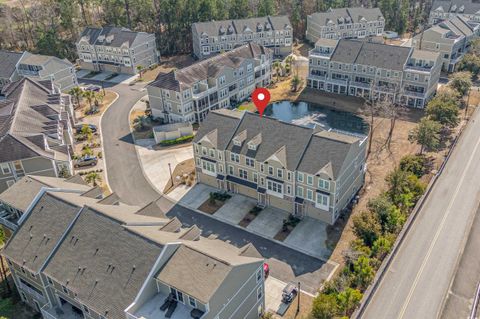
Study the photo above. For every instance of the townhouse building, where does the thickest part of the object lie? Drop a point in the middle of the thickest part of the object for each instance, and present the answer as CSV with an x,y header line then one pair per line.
x,y
15,65
302,170
188,94
451,38
8,67
444,10
74,256
369,70
117,50
36,134
345,23
214,37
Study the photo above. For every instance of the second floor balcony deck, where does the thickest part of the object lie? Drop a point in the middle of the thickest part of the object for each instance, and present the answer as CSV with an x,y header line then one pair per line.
x,y
152,310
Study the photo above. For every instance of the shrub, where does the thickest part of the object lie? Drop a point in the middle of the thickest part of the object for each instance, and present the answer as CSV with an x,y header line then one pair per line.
x,y
325,306
418,165
366,227
255,210
221,196
363,272
100,155
381,247
182,139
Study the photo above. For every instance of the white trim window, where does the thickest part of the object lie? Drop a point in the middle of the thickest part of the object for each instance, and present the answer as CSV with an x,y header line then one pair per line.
x,y
279,173
242,173
300,177
5,168
310,194
259,275
309,179
249,162
274,188
259,293
300,191
323,201
235,157
323,184
192,301
209,168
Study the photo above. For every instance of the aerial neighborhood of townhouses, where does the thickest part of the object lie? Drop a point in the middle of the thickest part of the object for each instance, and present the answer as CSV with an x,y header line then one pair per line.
x,y
271,160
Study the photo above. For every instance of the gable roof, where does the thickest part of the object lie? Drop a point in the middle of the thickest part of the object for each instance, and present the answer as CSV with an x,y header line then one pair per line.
x,y
456,6
220,124
347,16
373,54
113,37
21,194
28,115
295,147
209,68
39,59
8,62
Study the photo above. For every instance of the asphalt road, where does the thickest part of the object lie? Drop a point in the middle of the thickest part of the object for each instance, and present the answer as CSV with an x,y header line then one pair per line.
x,y
124,172
417,281
461,294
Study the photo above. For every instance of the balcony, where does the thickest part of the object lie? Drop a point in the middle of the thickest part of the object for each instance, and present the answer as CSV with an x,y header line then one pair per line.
x,y
422,68
338,81
317,77
320,54
385,89
8,220
67,311
32,292
151,310
414,93
360,84
204,93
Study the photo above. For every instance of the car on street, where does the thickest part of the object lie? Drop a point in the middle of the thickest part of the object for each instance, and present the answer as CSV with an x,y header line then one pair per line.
x,y
86,161
92,87
390,35
79,127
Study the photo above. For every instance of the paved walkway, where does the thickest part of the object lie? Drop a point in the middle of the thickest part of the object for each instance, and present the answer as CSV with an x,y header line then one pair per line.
x,y
269,222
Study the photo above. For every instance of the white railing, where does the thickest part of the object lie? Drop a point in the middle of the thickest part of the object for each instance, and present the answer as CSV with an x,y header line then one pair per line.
x,y
4,221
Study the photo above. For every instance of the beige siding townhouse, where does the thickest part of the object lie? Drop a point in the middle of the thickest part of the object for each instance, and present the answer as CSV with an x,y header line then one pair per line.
x,y
443,10
301,170
210,38
36,134
8,67
345,23
117,50
78,256
222,81
451,38
375,71
49,68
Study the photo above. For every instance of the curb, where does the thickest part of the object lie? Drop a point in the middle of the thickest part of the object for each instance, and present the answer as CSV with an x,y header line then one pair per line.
x,y
369,293
101,140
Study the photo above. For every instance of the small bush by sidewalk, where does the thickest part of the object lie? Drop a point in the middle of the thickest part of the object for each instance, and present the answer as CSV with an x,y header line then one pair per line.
x,y
180,140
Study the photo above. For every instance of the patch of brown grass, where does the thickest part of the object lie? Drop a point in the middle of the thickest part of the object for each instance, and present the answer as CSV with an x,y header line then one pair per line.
x,y
187,167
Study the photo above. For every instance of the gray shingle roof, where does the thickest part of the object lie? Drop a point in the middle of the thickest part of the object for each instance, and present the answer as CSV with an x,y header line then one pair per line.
x,y
8,62
225,27
297,147
209,68
22,193
469,6
347,15
26,116
118,36
103,263
34,241
372,54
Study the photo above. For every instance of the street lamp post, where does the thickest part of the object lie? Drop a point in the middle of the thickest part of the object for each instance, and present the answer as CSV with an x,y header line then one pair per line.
x,y
298,298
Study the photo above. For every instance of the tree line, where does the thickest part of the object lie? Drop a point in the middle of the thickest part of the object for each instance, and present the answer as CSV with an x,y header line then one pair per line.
x,y
52,26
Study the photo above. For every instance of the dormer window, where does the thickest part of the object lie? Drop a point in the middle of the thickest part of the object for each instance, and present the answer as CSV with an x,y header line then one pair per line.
x,y
237,143
252,146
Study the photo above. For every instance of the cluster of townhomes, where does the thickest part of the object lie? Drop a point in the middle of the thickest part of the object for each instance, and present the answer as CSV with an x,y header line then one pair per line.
x,y
16,65
302,170
77,254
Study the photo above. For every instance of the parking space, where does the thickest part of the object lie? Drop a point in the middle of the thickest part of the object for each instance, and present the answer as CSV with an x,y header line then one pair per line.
x,y
273,294
105,76
269,222
310,235
235,209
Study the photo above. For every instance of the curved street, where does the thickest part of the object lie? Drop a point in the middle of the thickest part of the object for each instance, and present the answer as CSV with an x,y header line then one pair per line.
x,y
124,173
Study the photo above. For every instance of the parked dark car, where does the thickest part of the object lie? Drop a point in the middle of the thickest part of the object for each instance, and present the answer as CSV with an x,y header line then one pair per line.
x,y
86,161
79,127
289,293
94,88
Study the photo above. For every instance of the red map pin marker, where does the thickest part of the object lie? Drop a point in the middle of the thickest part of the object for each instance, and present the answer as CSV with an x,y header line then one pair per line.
x,y
261,97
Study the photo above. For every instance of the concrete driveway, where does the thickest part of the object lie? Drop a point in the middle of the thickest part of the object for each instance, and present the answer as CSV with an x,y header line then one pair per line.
x,y
155,162
269,222
197,195
235,209
310,235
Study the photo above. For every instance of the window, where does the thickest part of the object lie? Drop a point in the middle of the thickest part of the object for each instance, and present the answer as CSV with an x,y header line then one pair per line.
x,y
279,173
242,173
289,175
230,170
324,184
289,190
259,275
259,293
50,281
23,270
323,201
180,296
204,150
270,170
209,167
85,308
219,155
196,148
255,177
5,168
261,168
309,194
192,302
212,153
32,275
65,290
235,157
300,191
309,179
300,177
274,187
250,162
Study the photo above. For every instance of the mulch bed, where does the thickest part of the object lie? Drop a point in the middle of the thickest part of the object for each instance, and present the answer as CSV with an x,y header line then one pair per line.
x,y
209,207
247,220
282,235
